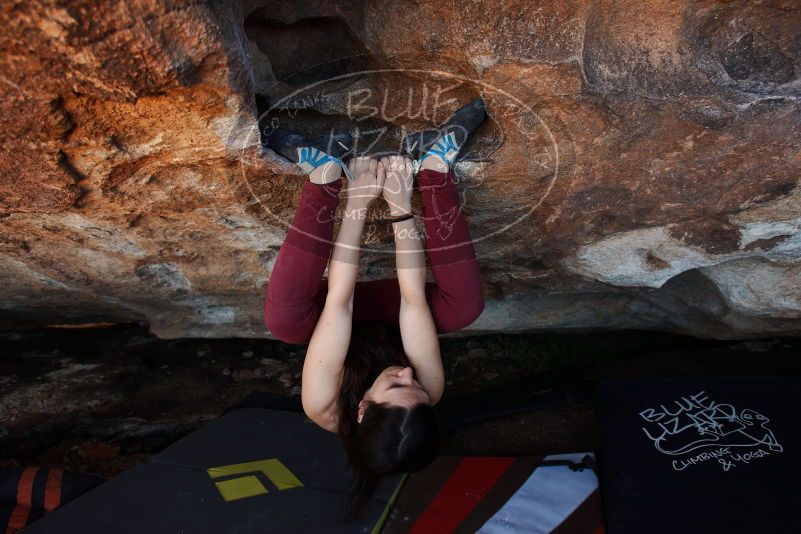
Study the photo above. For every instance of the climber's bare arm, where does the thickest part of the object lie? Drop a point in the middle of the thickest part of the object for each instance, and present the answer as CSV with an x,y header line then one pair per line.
x,y
418,332
325,357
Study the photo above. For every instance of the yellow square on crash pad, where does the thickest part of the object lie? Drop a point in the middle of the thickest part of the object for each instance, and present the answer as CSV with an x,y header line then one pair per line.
x,y
240,488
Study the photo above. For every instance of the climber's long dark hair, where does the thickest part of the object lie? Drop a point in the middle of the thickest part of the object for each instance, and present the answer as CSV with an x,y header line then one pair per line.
x,y
390,439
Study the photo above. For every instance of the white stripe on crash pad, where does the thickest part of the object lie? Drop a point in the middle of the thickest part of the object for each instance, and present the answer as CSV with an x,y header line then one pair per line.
x,y
546,499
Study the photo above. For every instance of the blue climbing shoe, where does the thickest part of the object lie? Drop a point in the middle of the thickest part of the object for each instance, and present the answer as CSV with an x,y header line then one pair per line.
x,y
447,140
310,153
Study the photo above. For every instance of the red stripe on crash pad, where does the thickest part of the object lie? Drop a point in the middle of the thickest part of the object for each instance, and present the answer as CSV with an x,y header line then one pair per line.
x,y
25,487
467,485
21,512
52,496
18,519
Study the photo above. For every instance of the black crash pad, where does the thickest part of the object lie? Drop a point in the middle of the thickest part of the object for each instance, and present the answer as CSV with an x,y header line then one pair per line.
x,y
701,455
173,492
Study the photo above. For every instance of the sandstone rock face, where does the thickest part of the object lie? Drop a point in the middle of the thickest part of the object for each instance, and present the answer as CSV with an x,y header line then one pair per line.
x,y
639,169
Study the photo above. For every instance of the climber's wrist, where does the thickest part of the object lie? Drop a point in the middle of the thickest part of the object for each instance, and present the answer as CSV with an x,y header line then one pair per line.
x,y
396,209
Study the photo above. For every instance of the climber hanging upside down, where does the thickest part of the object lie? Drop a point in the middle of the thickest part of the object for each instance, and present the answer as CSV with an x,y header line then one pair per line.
x,y
378,400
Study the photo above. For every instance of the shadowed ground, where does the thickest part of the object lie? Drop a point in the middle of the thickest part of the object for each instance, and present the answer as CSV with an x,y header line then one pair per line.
x,y
102,399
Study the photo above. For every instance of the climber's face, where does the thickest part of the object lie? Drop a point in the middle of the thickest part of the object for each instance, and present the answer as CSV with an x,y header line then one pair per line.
x,y
396,385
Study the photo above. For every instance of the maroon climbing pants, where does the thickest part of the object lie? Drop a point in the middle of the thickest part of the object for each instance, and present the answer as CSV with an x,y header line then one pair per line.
x,y
296,291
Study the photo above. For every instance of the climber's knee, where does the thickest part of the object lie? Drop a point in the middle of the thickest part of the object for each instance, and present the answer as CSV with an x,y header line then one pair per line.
x,y
463,314
284,327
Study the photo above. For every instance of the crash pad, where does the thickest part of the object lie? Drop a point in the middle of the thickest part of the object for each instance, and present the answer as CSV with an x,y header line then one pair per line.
x,y
701,454
253,470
